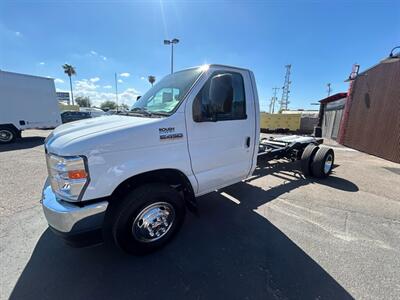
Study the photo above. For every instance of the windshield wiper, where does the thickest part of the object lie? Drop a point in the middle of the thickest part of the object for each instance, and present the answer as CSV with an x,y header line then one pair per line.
x,y
139,111
160,113
133,113
142,111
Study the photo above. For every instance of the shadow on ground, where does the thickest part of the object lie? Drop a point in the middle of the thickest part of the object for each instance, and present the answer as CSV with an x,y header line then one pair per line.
x,y
23,143
228,252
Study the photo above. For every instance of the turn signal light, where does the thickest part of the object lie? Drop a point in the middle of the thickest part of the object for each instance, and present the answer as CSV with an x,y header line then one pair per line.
x,y
77,174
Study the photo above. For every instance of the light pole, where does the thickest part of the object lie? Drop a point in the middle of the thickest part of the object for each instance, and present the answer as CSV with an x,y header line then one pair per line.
x,y
328,89
171,42
116,89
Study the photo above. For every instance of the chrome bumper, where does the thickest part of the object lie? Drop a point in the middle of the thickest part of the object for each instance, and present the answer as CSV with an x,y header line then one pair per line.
x,y
70,218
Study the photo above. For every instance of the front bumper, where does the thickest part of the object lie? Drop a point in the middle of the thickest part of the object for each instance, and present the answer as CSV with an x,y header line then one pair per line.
x,y
78,225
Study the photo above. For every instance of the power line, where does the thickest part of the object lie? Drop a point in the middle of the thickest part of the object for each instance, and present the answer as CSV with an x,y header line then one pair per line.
x,y
274,98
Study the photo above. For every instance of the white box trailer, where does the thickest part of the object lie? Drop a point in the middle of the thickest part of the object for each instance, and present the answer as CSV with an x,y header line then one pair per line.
x,y
26,102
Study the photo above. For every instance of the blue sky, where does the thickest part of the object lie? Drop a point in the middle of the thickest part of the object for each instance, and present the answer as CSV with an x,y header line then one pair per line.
x,y
321,39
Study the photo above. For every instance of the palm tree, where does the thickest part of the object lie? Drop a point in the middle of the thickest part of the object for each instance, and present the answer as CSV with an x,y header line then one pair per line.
x,y
152,79
70,70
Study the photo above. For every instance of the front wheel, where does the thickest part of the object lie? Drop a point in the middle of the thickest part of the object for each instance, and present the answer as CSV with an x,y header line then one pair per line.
x,y
146,219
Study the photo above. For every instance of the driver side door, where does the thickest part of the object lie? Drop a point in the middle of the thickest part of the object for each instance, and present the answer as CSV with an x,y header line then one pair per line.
x,y
221,139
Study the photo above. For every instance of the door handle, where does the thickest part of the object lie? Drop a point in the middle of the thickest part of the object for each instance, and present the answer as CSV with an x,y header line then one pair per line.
x,y
248,142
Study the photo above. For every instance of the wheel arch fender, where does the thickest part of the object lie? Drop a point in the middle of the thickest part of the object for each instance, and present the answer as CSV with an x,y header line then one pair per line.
x,y
172,177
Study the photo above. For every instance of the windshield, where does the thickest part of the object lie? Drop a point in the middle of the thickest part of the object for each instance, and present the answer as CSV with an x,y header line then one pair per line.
x,y
165,96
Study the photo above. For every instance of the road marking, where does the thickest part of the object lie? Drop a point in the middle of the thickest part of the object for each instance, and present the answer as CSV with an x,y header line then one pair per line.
x,y
339,148
233,199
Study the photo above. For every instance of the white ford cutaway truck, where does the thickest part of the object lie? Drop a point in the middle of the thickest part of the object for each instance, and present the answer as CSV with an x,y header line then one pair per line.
x,y
127,179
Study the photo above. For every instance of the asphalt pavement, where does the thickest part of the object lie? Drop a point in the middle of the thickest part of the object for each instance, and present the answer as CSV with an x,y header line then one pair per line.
x,y
276,235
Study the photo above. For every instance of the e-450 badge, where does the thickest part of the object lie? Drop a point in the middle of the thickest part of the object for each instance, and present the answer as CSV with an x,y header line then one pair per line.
x,y
169,133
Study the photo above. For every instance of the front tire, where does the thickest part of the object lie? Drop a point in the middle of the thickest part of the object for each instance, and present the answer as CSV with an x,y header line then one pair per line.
x,y
146,219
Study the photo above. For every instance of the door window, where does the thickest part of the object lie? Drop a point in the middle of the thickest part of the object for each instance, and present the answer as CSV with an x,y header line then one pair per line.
x,y
225,100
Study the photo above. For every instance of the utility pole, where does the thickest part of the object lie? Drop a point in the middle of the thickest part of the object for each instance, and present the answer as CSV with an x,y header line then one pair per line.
x,y
172,42
328,89
274,98
285,89
116,90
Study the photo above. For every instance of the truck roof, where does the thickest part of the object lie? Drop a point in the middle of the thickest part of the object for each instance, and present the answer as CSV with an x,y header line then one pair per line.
x,y
227,66
27,75
215,65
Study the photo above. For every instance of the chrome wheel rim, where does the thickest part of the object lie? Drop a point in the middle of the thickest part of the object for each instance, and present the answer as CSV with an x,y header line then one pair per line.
x,y
153,222
5,135
328,164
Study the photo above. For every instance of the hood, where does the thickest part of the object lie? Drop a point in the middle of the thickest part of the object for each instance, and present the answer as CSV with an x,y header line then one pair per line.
x,y
64,137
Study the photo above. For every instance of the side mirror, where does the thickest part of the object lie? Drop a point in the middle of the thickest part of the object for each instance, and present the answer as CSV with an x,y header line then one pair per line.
x,y
221,94
220,99
197,110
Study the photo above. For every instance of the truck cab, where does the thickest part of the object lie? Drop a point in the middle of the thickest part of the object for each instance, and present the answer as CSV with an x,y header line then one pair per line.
x,y
128,178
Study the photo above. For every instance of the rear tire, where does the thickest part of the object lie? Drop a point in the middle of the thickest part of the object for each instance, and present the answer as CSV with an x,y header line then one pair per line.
x,y
323,162
146,219
307,158
7,135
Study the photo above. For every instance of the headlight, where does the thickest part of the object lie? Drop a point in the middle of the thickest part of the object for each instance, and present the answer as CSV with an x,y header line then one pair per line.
x,y
68,176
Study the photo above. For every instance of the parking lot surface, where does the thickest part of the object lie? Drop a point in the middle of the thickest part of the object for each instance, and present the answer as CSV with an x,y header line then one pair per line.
x,y
275,236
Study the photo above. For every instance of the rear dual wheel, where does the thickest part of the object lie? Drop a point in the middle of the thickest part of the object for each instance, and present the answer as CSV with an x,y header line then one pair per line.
x,y
323,162
307,159
317,162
